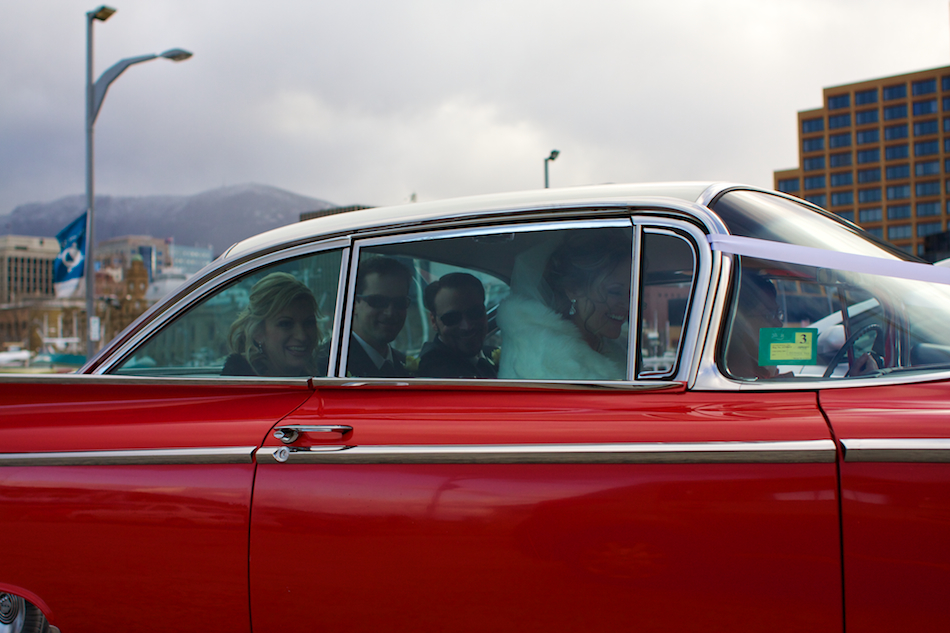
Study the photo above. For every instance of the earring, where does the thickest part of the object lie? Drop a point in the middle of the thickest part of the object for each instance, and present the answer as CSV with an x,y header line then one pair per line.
x,y
573,309
259,346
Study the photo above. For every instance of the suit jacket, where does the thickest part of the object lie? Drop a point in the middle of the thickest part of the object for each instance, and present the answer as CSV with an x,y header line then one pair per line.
x,y
439,361
359,364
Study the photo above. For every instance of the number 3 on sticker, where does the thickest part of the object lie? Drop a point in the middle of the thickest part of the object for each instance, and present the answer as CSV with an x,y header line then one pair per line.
x,y
788,346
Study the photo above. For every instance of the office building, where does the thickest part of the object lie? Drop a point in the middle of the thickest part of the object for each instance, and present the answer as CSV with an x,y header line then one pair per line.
x,y
26,267
878,153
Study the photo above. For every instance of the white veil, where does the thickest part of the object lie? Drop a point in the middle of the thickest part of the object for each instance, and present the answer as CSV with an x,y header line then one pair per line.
x,y
527,276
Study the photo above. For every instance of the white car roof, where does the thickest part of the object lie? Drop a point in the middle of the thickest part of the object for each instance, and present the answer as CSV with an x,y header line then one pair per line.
x,y
459,207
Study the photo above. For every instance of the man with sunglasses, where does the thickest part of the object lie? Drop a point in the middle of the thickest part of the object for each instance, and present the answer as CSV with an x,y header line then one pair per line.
x,y
456,305
379,313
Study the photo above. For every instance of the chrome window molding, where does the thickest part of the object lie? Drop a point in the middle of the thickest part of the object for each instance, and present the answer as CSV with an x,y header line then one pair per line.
x,y
793,452
406,238
111,379
182,303
143,457
696,309
472,384
897,450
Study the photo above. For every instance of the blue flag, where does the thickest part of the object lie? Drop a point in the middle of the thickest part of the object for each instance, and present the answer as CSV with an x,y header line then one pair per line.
x,y
70,263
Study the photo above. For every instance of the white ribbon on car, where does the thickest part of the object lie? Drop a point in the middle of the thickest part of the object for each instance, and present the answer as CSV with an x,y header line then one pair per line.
x,y
821,258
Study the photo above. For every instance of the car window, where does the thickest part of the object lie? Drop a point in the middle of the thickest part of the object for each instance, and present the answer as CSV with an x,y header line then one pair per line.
x,y
275,321
791,321
669,266
525,304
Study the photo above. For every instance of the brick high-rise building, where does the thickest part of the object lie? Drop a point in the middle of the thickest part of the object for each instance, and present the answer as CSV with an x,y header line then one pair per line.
x,y
878,154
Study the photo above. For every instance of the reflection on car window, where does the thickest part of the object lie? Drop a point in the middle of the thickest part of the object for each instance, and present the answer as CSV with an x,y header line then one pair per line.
x,y
274,322
793,321
542,305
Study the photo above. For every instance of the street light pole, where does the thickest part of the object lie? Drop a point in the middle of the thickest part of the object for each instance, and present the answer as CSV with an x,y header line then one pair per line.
x,y
553,156
95,93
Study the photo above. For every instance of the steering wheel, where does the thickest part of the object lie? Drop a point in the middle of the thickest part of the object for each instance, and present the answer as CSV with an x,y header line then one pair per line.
x,y
849,344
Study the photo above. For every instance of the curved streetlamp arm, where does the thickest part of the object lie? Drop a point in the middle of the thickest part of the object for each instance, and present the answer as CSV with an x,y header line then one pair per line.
x,y
110,75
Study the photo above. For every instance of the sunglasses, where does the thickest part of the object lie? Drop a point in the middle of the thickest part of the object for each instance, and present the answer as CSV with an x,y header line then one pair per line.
x,y
381,302
455,316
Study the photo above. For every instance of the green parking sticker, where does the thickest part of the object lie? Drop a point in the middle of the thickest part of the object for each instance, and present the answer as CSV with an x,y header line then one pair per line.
x,y
788,346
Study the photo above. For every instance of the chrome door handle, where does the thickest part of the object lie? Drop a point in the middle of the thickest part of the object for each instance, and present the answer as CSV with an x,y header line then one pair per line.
x,y
289,434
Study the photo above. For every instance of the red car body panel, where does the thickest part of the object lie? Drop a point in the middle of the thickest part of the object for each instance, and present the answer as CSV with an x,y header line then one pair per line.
x,y
553,547
171,539
895,516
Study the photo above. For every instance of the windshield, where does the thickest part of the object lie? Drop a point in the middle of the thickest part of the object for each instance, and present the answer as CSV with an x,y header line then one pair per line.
x,y
843,317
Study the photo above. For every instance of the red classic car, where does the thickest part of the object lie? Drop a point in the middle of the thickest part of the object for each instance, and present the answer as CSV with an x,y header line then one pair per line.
x,y
672,407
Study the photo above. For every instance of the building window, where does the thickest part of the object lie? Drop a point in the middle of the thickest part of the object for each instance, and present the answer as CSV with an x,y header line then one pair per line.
x,y
840,160
896,152
895,92
869,215
869,156
813,125
846,215
813,144
895,112
813,163
869,175
865,117
864,137
788,185
897,172
924,87
839,120
898,192
928,168
902,232
929,188
945,83
925,209
928,228
842,198
814,182
926,148
869,195
839,140
925,107
818,200
894,132
839,101
841,179
924,128
898,212
877,232
864,97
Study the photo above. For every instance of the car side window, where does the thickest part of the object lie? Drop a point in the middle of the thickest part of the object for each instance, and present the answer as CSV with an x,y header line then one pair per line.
x,y
525,304
668,275
273,322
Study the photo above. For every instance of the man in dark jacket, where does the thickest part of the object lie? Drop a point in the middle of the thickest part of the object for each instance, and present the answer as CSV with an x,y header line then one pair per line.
x,y
456,305
379,314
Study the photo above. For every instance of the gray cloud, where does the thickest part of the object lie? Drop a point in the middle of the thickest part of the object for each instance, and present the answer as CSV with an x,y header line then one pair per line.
x,y
369,101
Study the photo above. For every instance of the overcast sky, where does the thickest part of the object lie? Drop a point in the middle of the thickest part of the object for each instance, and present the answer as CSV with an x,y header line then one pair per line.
x,y
370,101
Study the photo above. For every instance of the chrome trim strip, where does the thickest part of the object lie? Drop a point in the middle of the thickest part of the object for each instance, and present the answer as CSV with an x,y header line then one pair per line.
x,y
227,455
636,272
338,312
897,450
470,384
165,381
796,452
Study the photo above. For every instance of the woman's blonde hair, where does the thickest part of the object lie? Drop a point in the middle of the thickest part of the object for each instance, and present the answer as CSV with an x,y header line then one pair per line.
x,y
269,296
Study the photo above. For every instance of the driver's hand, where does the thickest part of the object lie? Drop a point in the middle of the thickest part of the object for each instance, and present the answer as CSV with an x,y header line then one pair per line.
x,y
865,364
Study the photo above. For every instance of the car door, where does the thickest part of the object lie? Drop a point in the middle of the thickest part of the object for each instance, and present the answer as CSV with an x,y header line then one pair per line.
x,y
550,504
128,495
125,502
895,496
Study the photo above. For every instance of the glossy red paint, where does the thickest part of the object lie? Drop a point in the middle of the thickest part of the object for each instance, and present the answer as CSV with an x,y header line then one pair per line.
x,y
143,544
895,516
553,547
